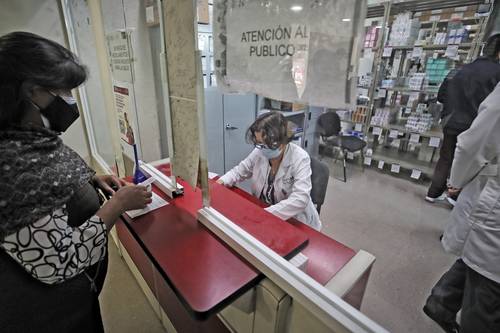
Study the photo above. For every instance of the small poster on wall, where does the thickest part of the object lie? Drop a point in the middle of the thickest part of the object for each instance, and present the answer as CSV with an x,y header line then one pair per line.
x,y
122,106
122,101
120,56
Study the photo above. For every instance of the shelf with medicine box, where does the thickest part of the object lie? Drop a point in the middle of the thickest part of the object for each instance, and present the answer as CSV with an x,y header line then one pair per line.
x,y
432,46
417,47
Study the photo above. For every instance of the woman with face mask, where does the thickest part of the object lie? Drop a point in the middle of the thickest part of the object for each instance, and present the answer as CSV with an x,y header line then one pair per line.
x,y
280,171
53,229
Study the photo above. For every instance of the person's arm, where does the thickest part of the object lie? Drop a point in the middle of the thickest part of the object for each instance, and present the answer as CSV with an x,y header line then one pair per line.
x,y
241,172
443,91
52,251
479,145
298,200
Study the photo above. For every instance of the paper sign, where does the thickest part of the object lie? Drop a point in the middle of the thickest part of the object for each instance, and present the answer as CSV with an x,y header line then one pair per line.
x,y
150,16
377,131
393,134
387,52
368,161
417,52
395,168
350,156
358,127
369,152
122,107
451,51
415,174
157,203
120,55
381,164
296,53
434,142
382,93
414,138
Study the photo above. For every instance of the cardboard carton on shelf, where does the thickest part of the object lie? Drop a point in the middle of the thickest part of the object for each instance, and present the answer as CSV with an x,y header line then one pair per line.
x,y
152,14
298,107
203,12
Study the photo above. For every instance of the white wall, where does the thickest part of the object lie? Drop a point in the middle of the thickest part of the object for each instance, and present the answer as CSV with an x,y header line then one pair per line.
x,y
42,17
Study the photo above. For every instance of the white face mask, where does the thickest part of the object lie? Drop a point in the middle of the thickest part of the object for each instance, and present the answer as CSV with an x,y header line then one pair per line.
x,y
270,153
70,100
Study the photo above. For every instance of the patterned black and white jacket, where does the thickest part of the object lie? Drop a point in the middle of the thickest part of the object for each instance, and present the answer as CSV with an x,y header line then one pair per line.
x,y
52,251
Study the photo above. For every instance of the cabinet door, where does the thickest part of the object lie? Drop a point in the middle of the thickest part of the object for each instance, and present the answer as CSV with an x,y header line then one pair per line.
x,y
214,117
239,114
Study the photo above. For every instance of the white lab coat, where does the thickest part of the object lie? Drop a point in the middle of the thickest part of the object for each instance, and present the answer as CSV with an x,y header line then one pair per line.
x,y
473,232
292,183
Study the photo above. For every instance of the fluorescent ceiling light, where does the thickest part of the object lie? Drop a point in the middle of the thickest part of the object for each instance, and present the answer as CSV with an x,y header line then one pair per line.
x,y
346,20
296,8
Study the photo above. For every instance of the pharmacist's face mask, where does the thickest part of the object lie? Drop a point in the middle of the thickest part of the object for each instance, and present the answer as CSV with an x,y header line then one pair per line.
x,y
268,152
60,114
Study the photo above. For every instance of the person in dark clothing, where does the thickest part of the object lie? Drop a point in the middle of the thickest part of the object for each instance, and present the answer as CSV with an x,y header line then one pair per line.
x,y
461,94
53,228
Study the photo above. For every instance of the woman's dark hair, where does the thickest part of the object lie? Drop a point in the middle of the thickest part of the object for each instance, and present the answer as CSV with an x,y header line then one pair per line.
x,y
26,58
274,128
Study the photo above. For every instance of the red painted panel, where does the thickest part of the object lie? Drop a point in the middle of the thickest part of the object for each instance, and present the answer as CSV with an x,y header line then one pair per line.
x,y
201,269
267,228
137,254
326,255
179,315
204,273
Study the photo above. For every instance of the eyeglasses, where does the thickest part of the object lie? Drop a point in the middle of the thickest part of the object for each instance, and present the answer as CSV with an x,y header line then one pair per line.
x,y
264,146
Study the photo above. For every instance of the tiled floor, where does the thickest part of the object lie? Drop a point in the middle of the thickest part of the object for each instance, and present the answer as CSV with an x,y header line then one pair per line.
x,y
123,305
381,214
388,217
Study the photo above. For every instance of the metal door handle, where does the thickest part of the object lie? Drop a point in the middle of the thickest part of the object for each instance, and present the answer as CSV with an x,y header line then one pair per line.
x,y
230,128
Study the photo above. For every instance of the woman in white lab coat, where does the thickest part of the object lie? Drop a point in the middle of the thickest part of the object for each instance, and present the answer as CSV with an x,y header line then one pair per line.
x,y
280,171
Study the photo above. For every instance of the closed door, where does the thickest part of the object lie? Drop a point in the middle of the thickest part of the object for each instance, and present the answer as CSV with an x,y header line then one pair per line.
x,y
214,118
239,114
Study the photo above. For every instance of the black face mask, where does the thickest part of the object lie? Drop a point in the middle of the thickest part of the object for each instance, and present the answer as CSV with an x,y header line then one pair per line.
x,y
61,114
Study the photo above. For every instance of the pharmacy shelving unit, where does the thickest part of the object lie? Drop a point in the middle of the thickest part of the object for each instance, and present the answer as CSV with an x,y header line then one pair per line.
x,y
406,142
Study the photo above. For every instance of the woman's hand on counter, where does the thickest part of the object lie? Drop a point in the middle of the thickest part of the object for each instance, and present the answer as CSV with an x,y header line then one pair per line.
x,y
128,197
108,182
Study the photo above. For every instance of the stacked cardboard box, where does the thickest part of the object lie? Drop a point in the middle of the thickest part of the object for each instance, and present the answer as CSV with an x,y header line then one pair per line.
x,y
404,30
371,37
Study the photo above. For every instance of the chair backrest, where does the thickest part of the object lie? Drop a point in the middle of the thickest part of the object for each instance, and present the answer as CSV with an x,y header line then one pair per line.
x,y
329,124
319,179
